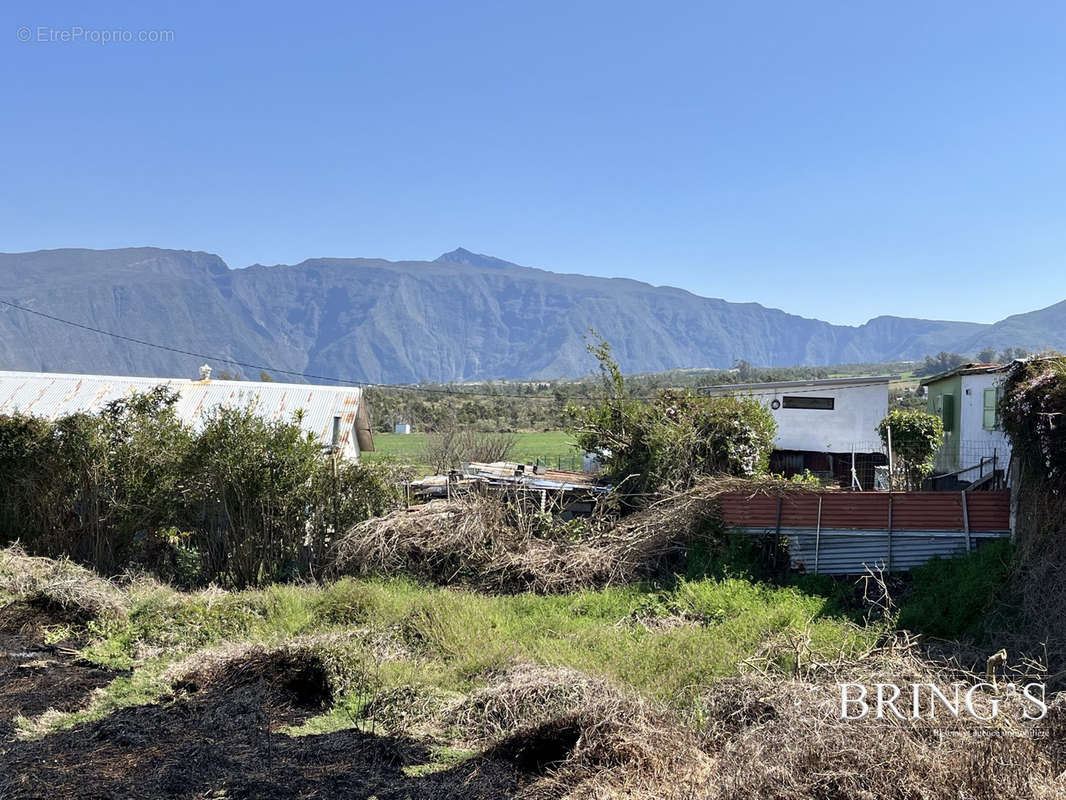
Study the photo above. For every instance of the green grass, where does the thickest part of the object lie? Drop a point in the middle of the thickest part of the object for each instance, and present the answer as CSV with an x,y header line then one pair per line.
x,y
405,448
950,597
548,446
448,640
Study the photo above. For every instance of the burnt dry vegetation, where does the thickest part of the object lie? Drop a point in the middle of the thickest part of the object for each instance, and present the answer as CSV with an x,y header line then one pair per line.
x,y
39,672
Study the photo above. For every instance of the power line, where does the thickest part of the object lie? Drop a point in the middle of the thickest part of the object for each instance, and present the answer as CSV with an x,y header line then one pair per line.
x,y
267,368
272,370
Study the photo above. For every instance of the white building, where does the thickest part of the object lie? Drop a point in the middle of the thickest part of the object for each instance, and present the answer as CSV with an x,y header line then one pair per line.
x,y
828,426
967,401
825,416
332,414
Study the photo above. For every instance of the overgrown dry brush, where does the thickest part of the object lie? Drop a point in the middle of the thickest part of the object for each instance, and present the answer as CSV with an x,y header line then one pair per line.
x,y
533,731
498,543
782,737
59,585
762,736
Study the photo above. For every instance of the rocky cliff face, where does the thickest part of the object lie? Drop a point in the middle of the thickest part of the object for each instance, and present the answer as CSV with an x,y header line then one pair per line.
x,y
463,316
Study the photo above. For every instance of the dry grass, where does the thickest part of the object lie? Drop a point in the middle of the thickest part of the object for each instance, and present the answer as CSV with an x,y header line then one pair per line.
x,y
763,736
582,737
498,545
535,732
323,667
783,739
60,585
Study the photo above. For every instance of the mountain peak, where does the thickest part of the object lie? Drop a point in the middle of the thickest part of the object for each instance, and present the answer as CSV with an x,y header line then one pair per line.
x,y
461,255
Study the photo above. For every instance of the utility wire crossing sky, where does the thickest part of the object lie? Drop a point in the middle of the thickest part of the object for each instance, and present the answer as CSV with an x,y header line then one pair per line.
x,y
836,160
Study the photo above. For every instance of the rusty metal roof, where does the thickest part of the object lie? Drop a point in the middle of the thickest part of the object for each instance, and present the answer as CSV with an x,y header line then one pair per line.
x,y
51,395
966,369
986,511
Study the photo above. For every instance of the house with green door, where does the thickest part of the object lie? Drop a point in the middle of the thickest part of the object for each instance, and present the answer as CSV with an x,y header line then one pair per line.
x,y
967,401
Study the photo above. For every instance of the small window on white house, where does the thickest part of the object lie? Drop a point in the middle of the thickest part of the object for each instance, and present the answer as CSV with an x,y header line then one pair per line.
x,y
814,403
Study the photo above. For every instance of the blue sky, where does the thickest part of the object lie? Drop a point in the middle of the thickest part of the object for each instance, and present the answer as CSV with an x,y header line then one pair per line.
x,y
837,160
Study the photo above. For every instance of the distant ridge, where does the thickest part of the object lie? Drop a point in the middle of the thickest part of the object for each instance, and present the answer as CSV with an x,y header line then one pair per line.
x,y
462,316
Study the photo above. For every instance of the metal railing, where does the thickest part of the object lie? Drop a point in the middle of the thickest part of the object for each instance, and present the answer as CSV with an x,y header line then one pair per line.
x,y
864,465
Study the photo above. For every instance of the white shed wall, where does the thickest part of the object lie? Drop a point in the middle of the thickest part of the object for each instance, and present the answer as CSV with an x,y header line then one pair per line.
x,y
853,421
974,439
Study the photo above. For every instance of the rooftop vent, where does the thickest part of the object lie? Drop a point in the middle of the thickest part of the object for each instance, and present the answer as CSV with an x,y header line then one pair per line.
x,y
205,373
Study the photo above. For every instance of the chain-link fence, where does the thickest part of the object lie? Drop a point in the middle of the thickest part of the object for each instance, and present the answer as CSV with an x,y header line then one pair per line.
x,y
570,463
863,466
851,465
856,465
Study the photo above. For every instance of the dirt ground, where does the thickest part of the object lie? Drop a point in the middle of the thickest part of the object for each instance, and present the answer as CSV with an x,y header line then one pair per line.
x,y
205,742
35,676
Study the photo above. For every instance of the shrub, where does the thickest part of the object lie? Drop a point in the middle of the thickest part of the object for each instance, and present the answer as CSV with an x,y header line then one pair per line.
x,y
242,501
950,597
916,438
669,443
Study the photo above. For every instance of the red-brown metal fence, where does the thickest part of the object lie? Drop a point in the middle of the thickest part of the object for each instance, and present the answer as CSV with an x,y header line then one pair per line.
x,y
848,532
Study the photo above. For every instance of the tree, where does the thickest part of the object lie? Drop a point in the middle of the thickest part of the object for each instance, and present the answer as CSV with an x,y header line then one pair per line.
x,y
987,356
745,371
449,448
670,442
916,438
942,362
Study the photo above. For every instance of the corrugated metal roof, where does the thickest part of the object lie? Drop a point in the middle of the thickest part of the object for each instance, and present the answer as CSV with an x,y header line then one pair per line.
x,y
533,477
52,395
814,382
966,369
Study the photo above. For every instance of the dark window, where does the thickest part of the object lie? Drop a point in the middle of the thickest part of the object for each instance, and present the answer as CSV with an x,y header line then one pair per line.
x,y
947,413
817,403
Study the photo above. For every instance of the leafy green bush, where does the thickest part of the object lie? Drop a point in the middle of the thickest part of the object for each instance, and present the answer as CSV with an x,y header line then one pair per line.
x,y
916,438
950,597
669,443
738,555
241,501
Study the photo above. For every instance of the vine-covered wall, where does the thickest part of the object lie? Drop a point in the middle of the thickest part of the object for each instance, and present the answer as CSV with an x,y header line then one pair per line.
x,y
1033,410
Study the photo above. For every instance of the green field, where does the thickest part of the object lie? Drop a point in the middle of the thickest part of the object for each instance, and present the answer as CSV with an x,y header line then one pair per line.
x,y
554,448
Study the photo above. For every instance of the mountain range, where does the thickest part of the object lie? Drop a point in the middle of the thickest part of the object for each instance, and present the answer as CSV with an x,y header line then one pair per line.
x,y
463,316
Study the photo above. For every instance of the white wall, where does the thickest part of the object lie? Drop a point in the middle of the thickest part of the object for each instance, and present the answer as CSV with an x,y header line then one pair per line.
x,y
349,448
853,421
974,440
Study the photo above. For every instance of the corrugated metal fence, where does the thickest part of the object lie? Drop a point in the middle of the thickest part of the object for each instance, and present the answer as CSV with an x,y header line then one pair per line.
x,y
844,533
